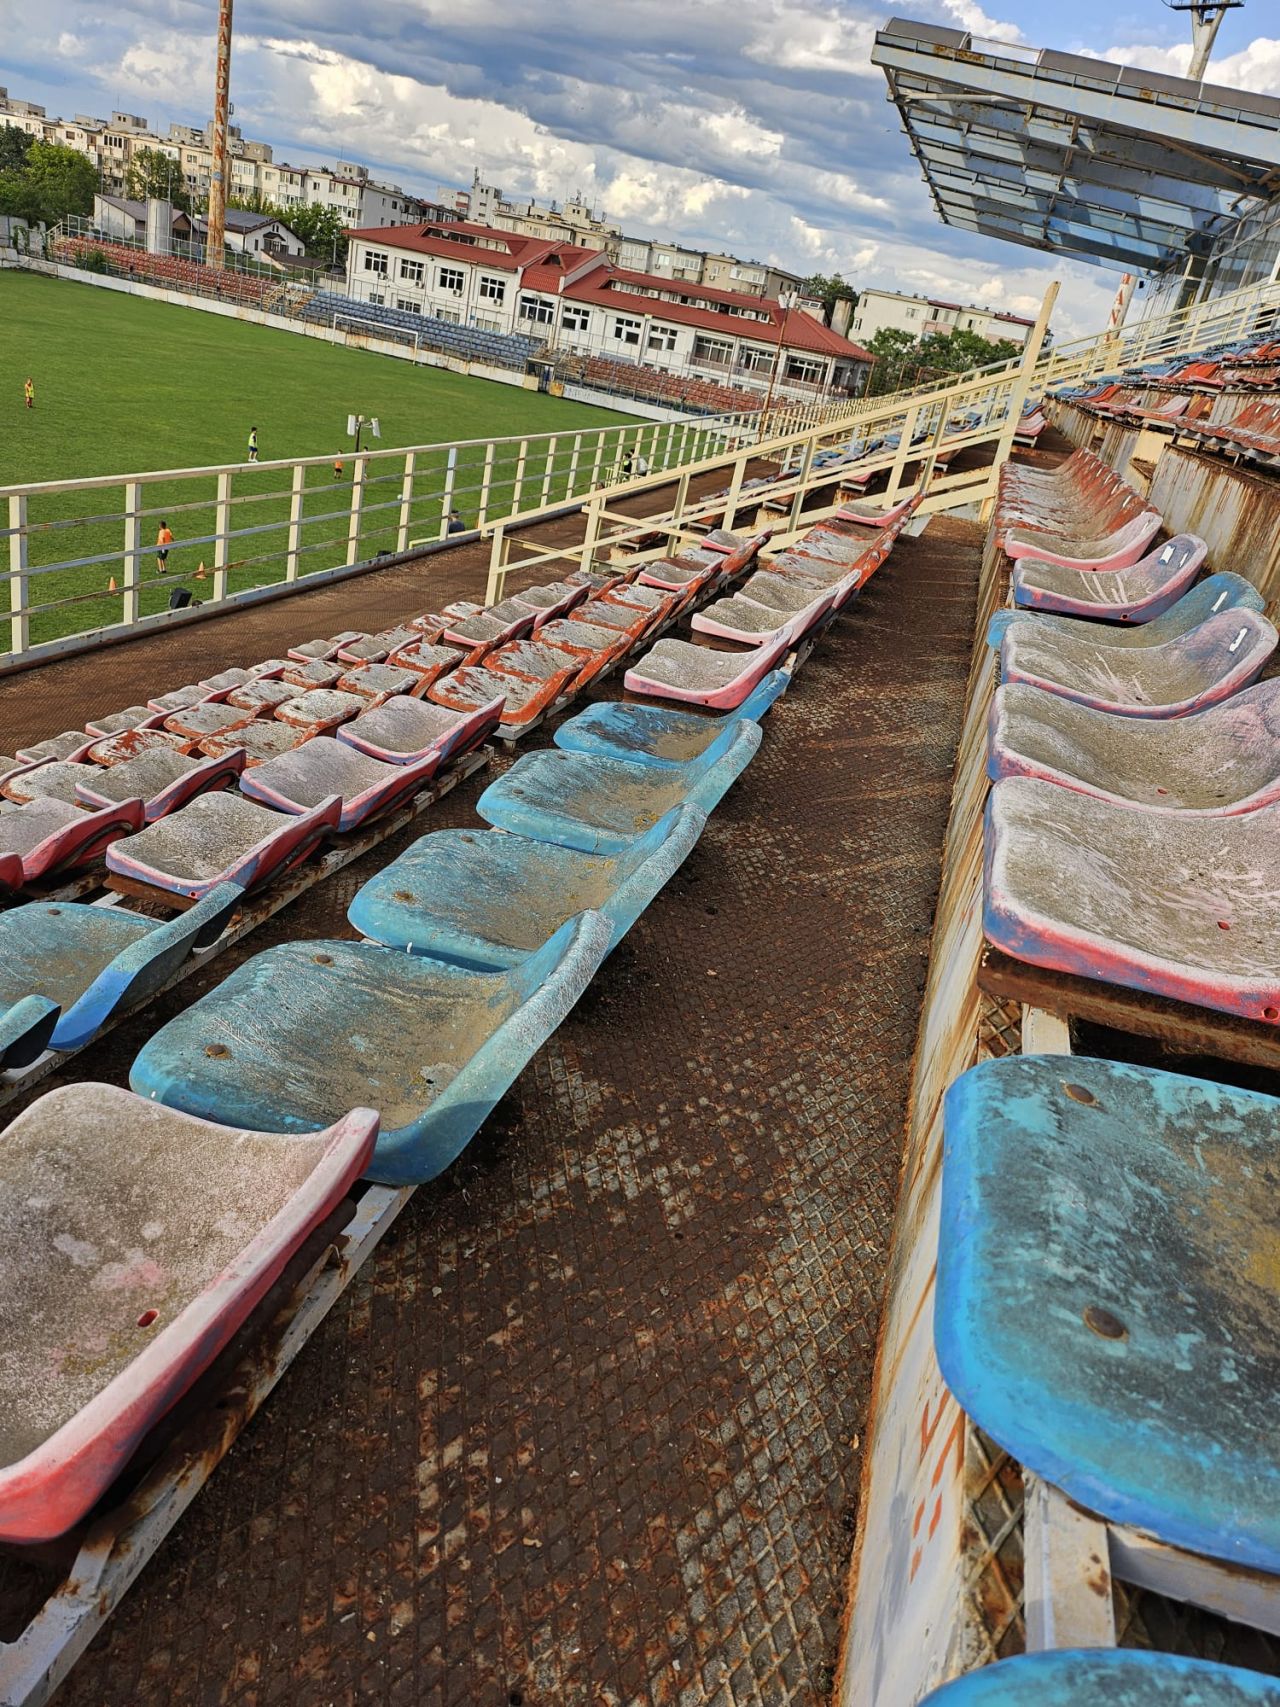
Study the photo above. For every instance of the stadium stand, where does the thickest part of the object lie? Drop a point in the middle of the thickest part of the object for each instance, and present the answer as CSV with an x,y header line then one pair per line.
x,y
468,343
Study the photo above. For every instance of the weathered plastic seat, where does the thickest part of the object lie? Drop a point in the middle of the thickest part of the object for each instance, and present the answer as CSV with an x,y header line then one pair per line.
x,y
221,838
1136,594
162,779
584,640
472,686
117,749
136,1241
262,695
692,569
600,805
405,730
177,699
554,599
225,680
628,621
694,675
1106,1302
1220,762
596,580
81,964
1121,1677
299,781
49,836
1110,892
295,1030
70,745
319,673
1116,550
207,717
491,627
132,717
860,515
321,710
259,741
658,735
480,899
377,681
49,779
534,661
1215,593
426,660
323,651
373,648
751,624
1193,670
804,571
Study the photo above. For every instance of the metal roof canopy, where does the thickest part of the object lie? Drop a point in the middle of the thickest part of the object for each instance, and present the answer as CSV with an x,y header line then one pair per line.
x,y
1078,156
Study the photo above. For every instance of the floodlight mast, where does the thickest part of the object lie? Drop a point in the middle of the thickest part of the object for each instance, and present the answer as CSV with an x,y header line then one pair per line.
x,y
216,231
1206,16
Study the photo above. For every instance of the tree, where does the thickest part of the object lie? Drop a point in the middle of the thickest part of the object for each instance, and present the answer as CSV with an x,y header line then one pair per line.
x,y
15,145
152,172
962,350
829,291
59,181
894,351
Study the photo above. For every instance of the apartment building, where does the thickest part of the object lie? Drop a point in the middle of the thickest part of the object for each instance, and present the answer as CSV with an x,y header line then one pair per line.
x,y
922,317
349,189
580,301
572,222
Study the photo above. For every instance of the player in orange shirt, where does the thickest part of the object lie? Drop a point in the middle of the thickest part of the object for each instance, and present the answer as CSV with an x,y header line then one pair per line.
x,y
164,539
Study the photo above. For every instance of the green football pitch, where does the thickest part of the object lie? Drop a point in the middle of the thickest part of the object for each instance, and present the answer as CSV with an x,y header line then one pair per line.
x,y
127,385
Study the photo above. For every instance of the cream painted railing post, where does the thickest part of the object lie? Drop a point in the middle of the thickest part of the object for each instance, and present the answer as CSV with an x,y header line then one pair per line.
x,y
1018,393
806,468
591,533
297,500
548,472
903,455
522,457
497,566
486,481
735,491
446,497
222,536
598,459
573,466
406,502
132,547
19,622
357,508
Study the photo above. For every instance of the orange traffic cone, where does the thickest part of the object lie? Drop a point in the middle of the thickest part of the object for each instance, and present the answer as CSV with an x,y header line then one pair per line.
x,y
200,574
111,585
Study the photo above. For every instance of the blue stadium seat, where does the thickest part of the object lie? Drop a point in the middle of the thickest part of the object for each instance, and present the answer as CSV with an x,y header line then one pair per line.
x,y
1085,1677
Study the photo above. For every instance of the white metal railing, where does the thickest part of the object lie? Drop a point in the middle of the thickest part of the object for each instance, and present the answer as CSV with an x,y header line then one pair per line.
x,y
80,556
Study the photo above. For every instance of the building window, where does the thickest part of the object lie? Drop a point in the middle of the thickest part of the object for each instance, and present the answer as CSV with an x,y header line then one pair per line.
x,y
451,279
411,272
534,309
626,330
375,261
662,337
493,290
377,299
485,323
406,306
449,314
755,361
806,368
575,319
712,352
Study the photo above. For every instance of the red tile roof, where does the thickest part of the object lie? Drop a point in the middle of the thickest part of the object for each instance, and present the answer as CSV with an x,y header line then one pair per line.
x,y
799,331
427,240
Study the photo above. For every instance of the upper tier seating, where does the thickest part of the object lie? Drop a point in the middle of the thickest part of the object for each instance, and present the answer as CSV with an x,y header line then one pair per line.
x,y
1193,670
1084,1677
1117,1223
1136,594
299,1026
65,970
1219,762
168,271
486,900
1080,884
600,805
136,1242
467,343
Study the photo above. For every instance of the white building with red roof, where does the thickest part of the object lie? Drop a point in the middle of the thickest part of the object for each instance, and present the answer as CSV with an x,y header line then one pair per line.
x,y
579,302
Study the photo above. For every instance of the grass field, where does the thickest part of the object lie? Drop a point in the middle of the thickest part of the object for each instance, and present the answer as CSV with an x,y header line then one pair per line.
x,y
126,385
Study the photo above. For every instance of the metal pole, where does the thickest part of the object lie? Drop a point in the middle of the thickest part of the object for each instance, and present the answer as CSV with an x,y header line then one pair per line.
x,y
217,229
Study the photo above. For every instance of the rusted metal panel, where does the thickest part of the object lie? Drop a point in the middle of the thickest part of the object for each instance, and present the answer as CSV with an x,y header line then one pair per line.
x,y
1236,510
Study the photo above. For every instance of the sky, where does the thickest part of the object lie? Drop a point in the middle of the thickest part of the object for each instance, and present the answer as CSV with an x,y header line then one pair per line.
x,y
755,126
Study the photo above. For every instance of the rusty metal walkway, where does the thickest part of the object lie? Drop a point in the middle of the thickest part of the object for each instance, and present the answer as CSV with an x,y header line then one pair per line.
x,y
585,1430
